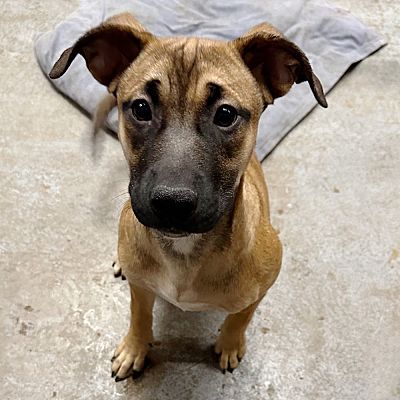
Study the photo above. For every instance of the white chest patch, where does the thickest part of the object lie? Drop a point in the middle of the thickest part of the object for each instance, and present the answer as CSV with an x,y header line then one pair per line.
x,y
184,245
186,298
187,305
177,282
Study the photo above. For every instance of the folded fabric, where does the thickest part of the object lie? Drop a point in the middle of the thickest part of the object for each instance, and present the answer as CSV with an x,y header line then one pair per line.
x,y
332,38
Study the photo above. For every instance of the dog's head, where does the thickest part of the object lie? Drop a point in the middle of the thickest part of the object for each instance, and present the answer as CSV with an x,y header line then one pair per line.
x,y
188,112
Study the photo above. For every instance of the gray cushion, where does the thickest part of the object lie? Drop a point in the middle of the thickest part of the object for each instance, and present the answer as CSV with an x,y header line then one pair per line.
x,y
332,38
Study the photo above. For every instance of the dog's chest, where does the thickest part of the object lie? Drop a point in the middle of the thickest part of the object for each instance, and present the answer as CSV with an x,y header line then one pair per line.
x,y
178,286
179,290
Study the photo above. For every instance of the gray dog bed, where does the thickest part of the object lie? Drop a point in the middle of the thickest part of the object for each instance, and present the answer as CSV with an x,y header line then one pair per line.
x,y
332,38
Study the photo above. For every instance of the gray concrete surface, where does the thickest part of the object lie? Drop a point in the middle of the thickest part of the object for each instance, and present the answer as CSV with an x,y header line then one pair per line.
x,y
330,327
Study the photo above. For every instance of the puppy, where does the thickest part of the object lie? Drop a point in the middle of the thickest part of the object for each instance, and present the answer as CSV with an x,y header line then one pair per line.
x,y
196,230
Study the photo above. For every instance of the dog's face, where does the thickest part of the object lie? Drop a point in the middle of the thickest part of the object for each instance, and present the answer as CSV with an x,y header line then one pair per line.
x,y
187,126
188,113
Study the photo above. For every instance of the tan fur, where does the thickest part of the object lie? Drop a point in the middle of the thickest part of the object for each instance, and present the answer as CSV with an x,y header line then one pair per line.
x,y
234,278
232,266
230,278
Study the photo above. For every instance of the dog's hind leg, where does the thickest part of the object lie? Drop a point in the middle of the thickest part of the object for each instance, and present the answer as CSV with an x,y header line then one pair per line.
x,y
129,357
118,270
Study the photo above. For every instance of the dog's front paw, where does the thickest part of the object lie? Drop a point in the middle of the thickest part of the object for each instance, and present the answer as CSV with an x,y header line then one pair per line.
x,y
230,349
129,359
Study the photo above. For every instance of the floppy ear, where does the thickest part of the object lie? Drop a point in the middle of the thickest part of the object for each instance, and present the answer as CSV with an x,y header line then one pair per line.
x,y
108,49
276,63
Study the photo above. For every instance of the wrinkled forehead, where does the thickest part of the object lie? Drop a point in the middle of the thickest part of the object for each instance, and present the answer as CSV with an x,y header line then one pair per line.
x,y
188,69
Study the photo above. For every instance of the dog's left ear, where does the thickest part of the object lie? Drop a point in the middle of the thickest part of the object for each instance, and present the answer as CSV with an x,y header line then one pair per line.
x,y
108,50
276,63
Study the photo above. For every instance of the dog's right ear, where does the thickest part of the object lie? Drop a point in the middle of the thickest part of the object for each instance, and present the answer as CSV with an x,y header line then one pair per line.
x,y
108,50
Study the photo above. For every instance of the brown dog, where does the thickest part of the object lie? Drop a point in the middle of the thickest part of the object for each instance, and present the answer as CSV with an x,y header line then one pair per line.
x,y
196,230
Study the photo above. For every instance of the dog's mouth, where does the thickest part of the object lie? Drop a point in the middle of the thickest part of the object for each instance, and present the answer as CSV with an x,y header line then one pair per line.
x,y
172,233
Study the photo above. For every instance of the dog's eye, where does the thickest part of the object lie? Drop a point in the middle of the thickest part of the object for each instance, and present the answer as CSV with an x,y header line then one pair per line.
x,y
225,116
141,110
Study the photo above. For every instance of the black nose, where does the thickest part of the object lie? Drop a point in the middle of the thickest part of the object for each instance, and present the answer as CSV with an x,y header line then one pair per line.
x,y
173,204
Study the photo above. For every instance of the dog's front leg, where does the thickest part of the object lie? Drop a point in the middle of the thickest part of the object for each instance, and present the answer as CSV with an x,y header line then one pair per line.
x,y
231,342
129,357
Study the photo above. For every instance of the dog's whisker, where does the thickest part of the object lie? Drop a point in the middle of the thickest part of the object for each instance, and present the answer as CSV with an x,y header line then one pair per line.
x,y
119,180
119,202
119,206
120,195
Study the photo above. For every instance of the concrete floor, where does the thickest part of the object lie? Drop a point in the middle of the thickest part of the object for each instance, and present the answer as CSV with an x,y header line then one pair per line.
x,y
330,327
